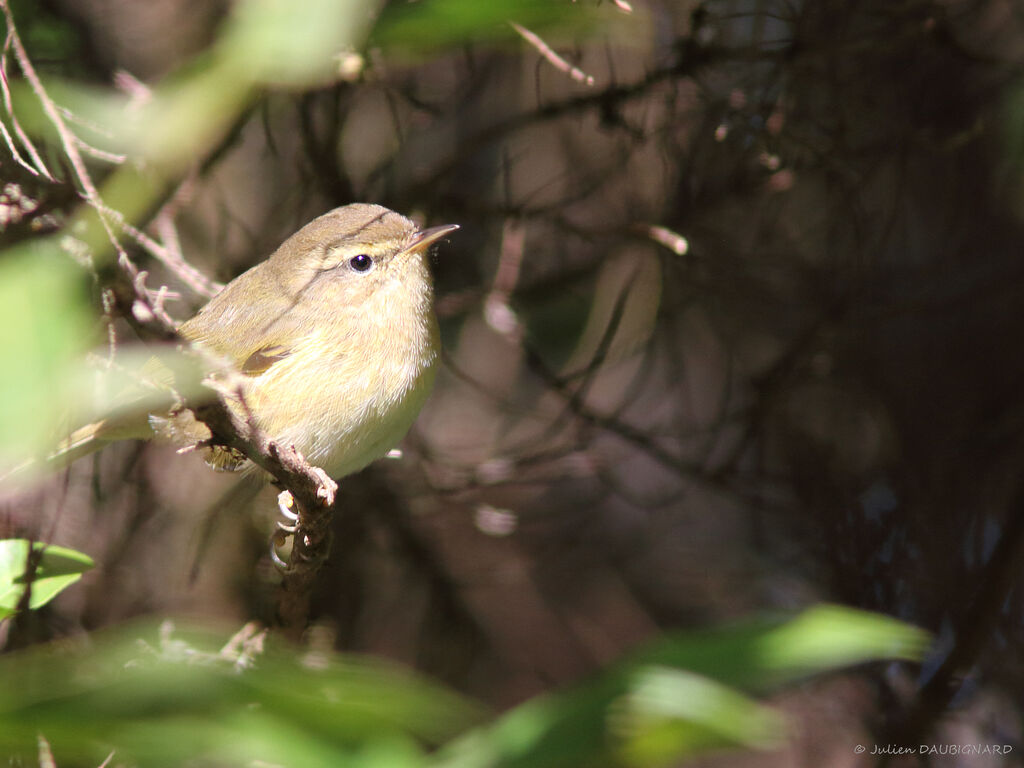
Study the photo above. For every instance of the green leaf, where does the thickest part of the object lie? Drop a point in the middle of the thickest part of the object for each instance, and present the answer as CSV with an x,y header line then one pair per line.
x,y
180,700
765,653
669,713
45,325
437,24
56,570
681,695
280,42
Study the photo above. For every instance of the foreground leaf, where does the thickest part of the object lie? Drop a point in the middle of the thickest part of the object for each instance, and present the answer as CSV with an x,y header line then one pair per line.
x,y
681,696
56,570
172,702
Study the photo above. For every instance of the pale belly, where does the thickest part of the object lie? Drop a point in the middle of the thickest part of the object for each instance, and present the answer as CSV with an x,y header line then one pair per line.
x,y
358,414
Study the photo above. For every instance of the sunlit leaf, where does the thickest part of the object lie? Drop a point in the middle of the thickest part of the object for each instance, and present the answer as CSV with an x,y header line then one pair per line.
x,y
56,569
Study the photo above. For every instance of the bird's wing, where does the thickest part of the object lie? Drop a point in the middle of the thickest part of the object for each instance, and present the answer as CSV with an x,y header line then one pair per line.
x,y
251,339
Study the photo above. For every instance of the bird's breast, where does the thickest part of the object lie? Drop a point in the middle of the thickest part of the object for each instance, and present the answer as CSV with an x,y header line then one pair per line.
x,y
350,390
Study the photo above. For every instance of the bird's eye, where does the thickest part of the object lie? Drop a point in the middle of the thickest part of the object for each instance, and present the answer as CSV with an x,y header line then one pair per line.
x,y
361,262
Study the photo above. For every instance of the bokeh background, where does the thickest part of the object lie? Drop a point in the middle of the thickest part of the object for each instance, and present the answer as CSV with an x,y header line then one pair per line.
x,y
733,323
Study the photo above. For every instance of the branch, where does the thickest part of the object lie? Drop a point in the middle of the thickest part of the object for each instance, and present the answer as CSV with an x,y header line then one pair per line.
x,y
39,168
308,491
552,57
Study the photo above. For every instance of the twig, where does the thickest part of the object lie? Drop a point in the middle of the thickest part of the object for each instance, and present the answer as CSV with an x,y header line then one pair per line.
x,y
627,432
67,138
497,312
151,302
666,237
100,154
72,144
171,257
312,491
553,58
14,150
40,166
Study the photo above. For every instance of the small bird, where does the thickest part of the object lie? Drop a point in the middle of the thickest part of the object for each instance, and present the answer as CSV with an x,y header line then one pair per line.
x,y
334,336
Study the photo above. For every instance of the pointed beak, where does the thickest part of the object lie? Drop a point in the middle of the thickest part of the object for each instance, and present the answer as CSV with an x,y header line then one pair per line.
x,y
427,237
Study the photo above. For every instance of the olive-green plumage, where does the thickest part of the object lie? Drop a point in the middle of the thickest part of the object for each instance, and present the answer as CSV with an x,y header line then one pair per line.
x,y
334,334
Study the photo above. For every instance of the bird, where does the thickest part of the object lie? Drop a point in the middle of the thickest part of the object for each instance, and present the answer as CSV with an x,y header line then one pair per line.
x,y
333,339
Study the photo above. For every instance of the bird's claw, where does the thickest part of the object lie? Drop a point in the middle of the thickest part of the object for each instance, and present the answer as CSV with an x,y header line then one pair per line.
x,y
278,539
285,502
288,529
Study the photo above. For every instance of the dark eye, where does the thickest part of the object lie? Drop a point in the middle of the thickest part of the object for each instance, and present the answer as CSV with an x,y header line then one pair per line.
x,y
361,263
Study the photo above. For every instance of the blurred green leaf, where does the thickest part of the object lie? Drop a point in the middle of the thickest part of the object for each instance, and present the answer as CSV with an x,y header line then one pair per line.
x,y
180,701
279,42
437,24
671,712
761,654
669,701
142,379
45,325
57,569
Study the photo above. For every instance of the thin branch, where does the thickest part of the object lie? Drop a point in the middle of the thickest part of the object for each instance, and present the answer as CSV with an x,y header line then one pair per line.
x,y
40,166
606,99
100,154
14,150
627,432
171,257
666,237
67,138
309,488
553,58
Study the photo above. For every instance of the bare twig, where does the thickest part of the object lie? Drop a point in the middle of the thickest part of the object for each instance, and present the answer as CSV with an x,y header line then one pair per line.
x,y
100,154
40,167
308,490
312,491
171,257
497,312
9,141
70,143
151,301
553,58
45,753
666,237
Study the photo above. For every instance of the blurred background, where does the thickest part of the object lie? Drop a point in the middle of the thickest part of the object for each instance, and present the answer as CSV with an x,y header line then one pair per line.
x,y
733,323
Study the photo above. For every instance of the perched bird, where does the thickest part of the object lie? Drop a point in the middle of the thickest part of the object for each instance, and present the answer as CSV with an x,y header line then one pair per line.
x,y
334,336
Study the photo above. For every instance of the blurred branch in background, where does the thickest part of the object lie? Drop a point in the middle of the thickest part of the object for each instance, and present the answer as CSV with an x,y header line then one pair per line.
x,y
729,326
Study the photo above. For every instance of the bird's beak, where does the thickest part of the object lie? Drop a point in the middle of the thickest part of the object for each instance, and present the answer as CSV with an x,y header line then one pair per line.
x,y
427,237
